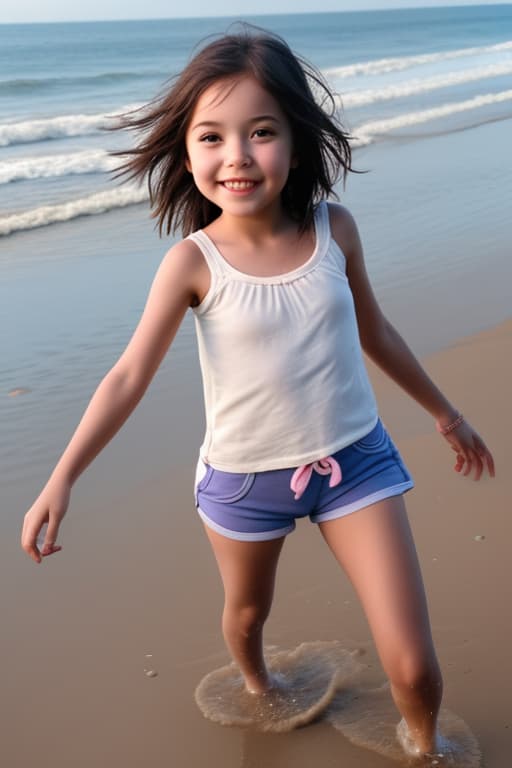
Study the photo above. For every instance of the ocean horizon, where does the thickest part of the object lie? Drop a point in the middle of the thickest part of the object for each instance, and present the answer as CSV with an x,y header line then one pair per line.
x,y
397,73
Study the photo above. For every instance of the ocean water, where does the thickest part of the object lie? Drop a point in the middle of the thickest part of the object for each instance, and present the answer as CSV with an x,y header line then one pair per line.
x,y
427,95
405,71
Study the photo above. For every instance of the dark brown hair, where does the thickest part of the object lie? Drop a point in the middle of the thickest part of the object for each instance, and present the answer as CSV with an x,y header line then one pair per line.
x,y
320,143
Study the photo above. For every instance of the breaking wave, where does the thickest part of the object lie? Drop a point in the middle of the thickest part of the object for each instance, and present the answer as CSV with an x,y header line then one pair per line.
x,y
48,166
384,66
59,127
424,85
99,202
367,132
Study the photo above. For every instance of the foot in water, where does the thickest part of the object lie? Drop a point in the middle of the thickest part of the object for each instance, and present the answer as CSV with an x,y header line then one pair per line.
x,y
407,742
275,685
368,719
443,753
303,683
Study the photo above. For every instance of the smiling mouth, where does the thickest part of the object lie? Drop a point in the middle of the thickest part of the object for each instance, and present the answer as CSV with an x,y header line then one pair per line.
x,y
238,184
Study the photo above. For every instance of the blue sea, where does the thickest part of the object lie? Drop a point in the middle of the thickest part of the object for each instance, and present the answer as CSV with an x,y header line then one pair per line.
x,y
427,95
421,71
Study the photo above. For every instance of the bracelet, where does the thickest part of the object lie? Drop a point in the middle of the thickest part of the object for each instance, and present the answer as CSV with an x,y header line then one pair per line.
x,y
445,430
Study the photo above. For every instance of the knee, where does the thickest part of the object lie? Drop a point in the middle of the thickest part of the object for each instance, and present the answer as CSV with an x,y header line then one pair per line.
x,y
245,619
416,671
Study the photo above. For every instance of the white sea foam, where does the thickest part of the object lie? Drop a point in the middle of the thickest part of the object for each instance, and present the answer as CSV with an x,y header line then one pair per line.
x,y
58,127
100,202
27,131
424,85
383,66
49,166
367,132
62,126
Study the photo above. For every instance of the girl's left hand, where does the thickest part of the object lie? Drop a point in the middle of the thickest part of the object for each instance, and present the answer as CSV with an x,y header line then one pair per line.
x,y
472,452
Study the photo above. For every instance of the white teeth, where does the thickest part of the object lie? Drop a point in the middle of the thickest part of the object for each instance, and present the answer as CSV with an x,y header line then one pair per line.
x,y
239,184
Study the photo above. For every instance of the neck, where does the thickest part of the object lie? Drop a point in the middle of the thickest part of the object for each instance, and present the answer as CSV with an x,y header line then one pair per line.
x,y
253,229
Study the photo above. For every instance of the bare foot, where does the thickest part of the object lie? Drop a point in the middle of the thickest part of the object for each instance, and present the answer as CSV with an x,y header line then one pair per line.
x,y
407,742
274,684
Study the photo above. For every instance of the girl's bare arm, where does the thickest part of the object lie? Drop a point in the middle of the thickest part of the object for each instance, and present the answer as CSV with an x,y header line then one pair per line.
x,y
174,289
384,345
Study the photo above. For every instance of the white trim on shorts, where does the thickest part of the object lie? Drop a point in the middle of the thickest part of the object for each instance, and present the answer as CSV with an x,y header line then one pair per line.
x,y
366,501
244,535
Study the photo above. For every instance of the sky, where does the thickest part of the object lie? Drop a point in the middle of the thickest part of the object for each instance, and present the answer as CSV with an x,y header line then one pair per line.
x,y
14,11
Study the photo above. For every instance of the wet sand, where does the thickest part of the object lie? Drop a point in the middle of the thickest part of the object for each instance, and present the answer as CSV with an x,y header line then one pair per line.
x,y
135,590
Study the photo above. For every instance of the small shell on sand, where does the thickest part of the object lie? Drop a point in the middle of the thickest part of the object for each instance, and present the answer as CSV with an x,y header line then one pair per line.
x,y
151,673
479,538
17,391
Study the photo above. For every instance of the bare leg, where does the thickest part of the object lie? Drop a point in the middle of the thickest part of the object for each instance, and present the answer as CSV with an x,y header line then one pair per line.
x,y
248,570
375,548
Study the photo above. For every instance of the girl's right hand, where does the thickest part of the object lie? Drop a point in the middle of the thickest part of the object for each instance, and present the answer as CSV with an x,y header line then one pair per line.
x,y
48,509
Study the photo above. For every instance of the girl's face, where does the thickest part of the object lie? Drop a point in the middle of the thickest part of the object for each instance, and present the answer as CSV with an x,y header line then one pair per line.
x,y
239,147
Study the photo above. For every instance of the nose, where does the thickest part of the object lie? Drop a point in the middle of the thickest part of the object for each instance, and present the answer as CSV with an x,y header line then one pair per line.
x,y
237,153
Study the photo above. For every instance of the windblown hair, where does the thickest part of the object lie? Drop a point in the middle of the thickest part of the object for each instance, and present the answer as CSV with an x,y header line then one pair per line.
x,y
321,145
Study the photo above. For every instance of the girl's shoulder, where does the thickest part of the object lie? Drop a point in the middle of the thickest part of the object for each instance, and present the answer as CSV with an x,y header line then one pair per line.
x,y
343,228
185,266
185,251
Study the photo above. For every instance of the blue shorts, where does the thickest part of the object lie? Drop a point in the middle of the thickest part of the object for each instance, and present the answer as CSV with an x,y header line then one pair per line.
x,y
259,506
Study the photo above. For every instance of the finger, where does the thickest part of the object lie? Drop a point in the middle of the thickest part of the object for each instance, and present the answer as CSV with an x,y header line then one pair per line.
x,y
28,544
474,457
485,456
48,546
34,553
459,463
50,549
490,463
469,464
479,465
50,537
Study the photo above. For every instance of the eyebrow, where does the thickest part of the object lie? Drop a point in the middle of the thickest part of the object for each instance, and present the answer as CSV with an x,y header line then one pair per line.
x,y
215,124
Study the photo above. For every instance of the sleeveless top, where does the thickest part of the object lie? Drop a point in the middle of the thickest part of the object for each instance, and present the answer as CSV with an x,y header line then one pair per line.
x,y
283,373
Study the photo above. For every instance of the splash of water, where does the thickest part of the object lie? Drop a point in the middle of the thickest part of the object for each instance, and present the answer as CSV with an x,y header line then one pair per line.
x,y
324,680
307,680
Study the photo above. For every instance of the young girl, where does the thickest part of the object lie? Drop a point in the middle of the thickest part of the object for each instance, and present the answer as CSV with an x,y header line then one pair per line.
x,y
241,156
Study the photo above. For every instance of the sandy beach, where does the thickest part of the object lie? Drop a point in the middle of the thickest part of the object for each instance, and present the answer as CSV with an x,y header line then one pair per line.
x,y
135,589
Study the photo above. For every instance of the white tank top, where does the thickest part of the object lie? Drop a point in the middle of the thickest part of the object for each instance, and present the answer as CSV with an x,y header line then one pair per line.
x,y
283,374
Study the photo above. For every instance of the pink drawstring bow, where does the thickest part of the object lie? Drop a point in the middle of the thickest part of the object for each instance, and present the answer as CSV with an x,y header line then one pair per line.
x,y
302,475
